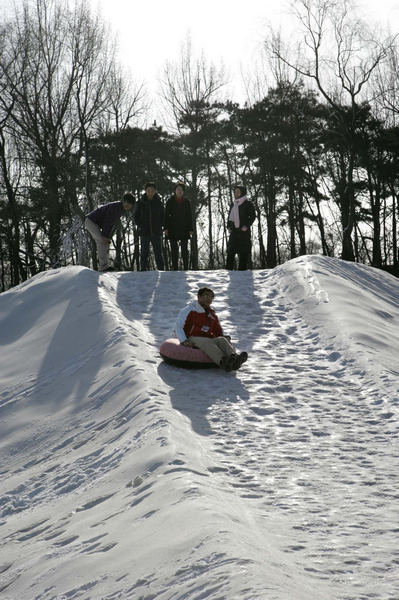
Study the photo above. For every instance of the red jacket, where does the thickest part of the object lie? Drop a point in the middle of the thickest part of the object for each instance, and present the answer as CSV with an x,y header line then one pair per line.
x,y
193,320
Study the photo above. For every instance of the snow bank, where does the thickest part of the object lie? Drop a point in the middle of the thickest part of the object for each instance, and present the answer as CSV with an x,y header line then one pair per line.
x,y
124,477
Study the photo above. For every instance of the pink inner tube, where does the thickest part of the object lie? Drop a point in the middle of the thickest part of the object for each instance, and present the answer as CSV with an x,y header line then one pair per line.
x,y
173,352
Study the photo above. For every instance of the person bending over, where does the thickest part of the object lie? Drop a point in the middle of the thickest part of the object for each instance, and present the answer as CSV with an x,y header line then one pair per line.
x,y
101,222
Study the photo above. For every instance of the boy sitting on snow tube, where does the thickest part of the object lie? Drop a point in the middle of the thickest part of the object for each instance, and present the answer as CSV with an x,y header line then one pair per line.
x,y
198,326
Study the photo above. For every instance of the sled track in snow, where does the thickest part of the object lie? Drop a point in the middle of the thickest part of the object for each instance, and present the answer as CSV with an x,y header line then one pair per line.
x,y
303,440
292,431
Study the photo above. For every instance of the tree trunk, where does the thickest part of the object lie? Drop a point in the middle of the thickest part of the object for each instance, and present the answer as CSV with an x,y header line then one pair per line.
x,y
375,203
194,239
54,214
291,213
14,237
320,223
394,229
31,265
262,250
210,218
2,270
270,207
348,211
301,222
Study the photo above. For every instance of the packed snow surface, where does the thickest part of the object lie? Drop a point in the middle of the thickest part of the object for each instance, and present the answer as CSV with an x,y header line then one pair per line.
x,y
124,477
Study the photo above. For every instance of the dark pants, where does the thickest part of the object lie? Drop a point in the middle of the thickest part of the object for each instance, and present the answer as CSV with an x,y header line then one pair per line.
x,y
156,242
242,260
239,243
174,248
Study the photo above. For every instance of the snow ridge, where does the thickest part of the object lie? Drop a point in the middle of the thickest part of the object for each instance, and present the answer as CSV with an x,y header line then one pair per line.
x,y
124,477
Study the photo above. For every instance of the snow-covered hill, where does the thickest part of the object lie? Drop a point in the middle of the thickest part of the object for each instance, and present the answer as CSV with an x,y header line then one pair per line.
x,y
124,477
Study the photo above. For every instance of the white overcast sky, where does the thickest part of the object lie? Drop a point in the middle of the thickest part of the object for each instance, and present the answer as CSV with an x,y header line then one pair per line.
x,y
229,32
150,32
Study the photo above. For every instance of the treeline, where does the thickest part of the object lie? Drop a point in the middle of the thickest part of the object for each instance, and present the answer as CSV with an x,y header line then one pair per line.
x,y
317,147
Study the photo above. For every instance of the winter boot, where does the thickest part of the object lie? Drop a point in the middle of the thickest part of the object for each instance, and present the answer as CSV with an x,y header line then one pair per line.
x,y
240,360
226,363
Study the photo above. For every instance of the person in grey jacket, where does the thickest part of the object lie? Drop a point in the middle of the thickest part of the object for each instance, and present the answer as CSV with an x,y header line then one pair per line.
x,y
101,222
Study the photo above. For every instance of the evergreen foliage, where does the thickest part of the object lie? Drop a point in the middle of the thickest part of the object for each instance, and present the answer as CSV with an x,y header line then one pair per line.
x,y
322,169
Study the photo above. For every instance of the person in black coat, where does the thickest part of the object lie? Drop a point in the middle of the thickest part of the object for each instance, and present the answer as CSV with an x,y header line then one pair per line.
x,y
149,218
178,225
241,216
101,222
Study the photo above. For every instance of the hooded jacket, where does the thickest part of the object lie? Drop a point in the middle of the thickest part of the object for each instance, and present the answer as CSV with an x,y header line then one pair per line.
x,y
193,319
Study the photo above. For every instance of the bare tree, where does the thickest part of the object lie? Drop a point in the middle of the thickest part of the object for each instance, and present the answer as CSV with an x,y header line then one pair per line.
x,y
339,55
58,68
188,84
387,85
10,175
189,89
126,101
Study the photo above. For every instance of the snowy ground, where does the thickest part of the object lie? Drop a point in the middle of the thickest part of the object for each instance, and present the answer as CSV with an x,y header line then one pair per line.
x,y
124,477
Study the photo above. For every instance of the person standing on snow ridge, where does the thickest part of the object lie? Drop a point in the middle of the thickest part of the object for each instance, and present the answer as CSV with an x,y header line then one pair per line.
x,y
241,217
149,218
198,326
100,224
178,225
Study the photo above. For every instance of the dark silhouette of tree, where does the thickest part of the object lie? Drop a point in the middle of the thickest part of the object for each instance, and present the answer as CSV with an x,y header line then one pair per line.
x,y
190,88
342,48
56,69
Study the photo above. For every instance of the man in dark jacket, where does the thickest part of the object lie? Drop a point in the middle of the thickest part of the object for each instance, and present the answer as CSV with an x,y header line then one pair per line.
x,y
100,224
241,216
178,225
149,218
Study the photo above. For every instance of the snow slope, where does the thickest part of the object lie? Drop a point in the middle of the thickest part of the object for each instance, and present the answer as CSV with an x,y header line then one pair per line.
x,y
124,477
